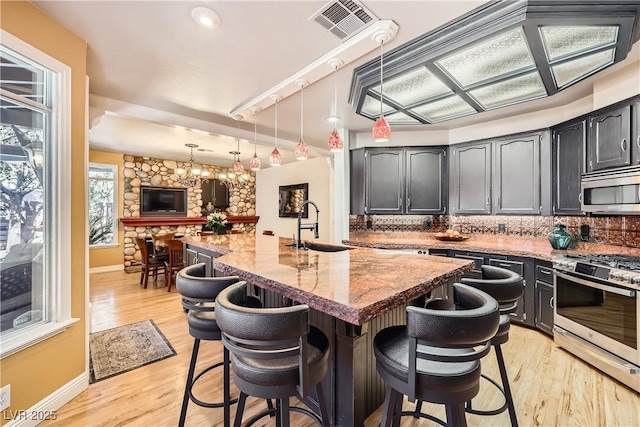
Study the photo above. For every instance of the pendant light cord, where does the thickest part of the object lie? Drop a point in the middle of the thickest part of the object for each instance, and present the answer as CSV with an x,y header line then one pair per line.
x,y
255,137
302,112
335,97
276,124
381,65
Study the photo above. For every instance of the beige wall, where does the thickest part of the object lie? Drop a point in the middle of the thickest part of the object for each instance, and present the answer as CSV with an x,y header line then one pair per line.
x,y
109,256
41,369
315,172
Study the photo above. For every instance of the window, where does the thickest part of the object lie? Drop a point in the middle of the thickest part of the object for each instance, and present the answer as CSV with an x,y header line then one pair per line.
x,y
102,203
35,171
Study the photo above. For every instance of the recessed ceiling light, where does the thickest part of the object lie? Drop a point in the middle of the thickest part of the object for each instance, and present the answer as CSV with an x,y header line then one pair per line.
x,y
333,119
206,17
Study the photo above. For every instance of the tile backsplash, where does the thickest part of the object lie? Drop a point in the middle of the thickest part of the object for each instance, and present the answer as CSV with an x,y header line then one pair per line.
x,y
615,230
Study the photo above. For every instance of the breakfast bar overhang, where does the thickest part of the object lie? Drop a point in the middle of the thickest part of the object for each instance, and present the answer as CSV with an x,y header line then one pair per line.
x,y
353,293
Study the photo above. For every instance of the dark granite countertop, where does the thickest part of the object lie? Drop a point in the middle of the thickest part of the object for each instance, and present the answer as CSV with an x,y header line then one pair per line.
x,y
354,285
533,247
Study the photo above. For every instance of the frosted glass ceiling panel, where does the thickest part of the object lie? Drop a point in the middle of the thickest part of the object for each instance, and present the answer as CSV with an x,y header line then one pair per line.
x,y
415,86
371,106
575,69
445,109
512,91
401,118
501,55
560,41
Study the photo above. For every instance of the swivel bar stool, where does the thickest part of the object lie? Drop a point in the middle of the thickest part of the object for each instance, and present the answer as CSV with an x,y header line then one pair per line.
x,y
506,287
198,298
433,358
275,354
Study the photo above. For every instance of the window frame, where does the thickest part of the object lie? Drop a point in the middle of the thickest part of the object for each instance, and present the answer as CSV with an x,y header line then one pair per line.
x,y
114,168
57,202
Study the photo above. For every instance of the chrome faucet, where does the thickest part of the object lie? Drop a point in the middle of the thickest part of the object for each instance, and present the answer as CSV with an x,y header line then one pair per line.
x,y
302,226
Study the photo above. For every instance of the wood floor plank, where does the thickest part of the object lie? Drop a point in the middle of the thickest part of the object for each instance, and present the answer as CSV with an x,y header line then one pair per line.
x,y
551,387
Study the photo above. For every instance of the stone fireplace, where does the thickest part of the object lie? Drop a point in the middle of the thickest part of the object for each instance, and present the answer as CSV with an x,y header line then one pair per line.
x,y
148,171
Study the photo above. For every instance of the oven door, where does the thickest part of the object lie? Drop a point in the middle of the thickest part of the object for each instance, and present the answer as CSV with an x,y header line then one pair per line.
x,y
602,314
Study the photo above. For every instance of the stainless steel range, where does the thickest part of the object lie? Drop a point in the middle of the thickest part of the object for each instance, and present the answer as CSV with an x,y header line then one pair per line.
x,y
597,312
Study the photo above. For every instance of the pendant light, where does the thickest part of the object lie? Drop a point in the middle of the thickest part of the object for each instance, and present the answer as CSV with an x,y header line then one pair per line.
x,y
381,130
335,140
275,159
238,168
254,163
301,150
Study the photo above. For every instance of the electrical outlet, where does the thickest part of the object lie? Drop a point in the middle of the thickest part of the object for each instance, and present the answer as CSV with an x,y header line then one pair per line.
x,y
5,397
501,228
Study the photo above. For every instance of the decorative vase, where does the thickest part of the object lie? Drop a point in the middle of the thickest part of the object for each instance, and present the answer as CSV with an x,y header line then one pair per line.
x,y
210,208
559,238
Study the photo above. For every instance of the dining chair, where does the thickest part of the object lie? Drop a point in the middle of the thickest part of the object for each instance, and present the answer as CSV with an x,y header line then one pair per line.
x,y
159,242
175,263
150,263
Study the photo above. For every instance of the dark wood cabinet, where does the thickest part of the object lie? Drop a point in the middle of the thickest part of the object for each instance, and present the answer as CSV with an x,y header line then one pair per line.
x,y
544,297
384,180
426,181
569,141
523,311
610,139
470,179
516,176
357,181
398,180
635,132
195,255
215,192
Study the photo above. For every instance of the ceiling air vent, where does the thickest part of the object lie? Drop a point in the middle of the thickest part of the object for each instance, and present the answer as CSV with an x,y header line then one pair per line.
x,y
343,18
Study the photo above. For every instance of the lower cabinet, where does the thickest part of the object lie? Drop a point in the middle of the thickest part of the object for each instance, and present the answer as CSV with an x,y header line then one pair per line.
x,y
198,255
544,297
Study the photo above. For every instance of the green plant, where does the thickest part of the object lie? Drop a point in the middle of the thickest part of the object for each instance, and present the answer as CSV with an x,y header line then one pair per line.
x,y
216,221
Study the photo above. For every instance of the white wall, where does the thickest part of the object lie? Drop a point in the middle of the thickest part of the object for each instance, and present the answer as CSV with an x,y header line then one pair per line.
x,y
315,172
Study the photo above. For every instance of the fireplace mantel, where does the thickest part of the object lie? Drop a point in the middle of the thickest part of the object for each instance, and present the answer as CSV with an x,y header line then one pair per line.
x,y
159,220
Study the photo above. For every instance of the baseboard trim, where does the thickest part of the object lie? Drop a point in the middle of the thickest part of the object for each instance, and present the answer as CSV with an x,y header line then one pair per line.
x,y
47,406
106,268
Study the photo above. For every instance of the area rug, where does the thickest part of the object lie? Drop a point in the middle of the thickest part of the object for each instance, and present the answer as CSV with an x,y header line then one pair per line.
x,y
125,348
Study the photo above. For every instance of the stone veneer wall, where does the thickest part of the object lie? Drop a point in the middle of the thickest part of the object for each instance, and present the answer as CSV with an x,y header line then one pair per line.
x,y
615,230
146,171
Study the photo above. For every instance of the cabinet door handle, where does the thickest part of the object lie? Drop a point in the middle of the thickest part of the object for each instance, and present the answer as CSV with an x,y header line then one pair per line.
x,y
408,202
488,201
503,264
399,202
498,200
551,302
638,140
623,144
580,197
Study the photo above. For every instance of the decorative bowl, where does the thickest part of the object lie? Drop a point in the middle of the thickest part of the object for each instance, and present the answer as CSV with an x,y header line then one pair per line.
x,y
448,238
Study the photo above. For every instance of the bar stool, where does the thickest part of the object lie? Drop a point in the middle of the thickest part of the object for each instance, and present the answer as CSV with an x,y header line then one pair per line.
x,y
198,297
506,287
433,358
275,354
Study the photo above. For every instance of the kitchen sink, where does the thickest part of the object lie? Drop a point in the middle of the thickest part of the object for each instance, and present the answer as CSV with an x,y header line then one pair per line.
x,y
323,247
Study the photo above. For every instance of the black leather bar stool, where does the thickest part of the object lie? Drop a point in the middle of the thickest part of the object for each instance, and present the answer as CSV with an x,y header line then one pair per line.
x,y
433,358
275,354
198,298
506,287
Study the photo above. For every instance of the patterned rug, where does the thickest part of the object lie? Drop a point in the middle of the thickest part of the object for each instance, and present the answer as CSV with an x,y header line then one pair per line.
x,y
125,348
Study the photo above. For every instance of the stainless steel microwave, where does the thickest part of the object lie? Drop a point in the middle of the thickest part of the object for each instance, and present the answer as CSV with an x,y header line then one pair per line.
x,y
611,192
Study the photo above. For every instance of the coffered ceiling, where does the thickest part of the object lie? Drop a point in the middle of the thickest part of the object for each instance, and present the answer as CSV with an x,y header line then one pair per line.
x,y
159,80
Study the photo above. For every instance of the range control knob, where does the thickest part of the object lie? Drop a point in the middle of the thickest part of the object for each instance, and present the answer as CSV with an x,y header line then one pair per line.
x,y
636,280
626,278
615,275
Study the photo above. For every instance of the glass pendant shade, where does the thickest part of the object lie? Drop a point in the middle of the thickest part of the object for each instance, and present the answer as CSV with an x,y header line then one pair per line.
x,y
381,130
237,167
335,141
301,151
254,163
275,159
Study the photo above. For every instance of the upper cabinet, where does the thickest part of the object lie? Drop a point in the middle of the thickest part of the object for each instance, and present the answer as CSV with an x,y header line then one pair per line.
x,y
568,166
610,139
398,180
470,179
516,176
426,180
384,188
635,132
215,192
502,176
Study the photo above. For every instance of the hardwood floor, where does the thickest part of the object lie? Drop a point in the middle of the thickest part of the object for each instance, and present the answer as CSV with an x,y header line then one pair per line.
x,y
551,387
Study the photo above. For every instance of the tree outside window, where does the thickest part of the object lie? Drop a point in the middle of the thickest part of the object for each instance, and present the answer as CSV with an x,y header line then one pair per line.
x,y
102,198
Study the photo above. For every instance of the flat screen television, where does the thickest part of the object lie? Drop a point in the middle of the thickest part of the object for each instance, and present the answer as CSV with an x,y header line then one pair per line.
x,y
163,201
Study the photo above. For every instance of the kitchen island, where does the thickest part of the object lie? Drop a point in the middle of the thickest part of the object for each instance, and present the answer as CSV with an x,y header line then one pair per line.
x,y
352,293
